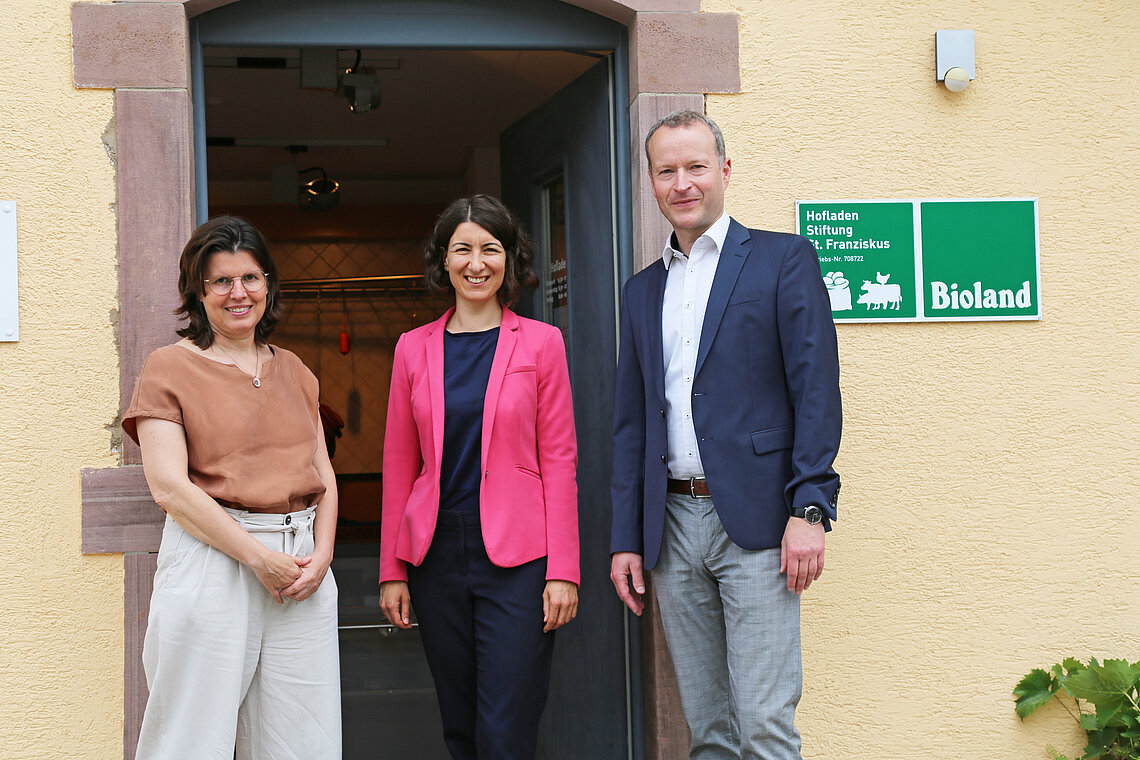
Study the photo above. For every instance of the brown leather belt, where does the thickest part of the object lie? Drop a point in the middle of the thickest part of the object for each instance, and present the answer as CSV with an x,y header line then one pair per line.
x,y
695,487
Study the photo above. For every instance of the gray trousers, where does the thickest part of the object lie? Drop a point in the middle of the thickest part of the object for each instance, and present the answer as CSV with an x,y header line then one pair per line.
x,y
733,630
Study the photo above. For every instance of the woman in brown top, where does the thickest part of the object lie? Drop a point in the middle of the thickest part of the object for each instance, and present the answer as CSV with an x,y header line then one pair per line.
x,y
241,645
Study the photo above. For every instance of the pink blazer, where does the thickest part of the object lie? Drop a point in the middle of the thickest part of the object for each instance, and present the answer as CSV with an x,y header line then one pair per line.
x,y
528,499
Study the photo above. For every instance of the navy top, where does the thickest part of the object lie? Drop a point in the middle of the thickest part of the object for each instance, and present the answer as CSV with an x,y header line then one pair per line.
x,y
467,361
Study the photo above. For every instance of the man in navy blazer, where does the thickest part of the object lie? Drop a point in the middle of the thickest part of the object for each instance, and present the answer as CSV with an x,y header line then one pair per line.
x,y
726,424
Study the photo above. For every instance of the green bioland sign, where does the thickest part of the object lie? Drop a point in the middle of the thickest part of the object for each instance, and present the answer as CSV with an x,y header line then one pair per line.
x,y
926,260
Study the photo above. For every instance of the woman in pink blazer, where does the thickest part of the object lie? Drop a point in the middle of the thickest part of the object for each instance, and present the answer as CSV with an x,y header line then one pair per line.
x,y
480,517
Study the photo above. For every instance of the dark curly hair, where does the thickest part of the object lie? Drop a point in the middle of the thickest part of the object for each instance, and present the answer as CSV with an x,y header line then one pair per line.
x,y
489,213
223,234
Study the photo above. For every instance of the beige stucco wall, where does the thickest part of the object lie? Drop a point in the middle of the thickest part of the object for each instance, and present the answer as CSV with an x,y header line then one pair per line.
x,y
61,673
989,517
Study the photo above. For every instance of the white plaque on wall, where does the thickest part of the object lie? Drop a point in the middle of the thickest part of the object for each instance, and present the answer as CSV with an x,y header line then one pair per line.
x,y
9,294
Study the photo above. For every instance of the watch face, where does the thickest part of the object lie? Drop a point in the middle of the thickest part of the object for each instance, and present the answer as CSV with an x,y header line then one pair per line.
x,y
813,515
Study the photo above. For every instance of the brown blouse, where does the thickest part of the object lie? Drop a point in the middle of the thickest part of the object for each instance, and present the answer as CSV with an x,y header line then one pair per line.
x,y
249,448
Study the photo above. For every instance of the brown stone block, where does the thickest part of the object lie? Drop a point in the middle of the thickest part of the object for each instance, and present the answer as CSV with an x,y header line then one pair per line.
x,y
664,6
137,44
138,583
649,226
198,7
618,10
624,11
667,733
156,211
119,514
685,52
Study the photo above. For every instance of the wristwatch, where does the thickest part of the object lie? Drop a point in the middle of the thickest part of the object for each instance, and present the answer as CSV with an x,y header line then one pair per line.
x,y
811,513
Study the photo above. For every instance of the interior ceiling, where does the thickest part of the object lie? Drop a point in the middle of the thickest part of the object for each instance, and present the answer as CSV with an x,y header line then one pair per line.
x,y
436,105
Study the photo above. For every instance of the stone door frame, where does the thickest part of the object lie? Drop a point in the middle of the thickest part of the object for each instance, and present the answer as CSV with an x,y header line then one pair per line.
x,y
141,50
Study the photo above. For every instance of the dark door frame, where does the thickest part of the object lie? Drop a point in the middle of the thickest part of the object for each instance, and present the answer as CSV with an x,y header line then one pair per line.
x,y
601,705
568,141
142,50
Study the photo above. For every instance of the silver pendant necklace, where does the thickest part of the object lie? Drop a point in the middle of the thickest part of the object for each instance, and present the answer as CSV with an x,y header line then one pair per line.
x,y
256,367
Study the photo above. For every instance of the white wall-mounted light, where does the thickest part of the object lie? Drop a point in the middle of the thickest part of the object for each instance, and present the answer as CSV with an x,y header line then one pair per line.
x,y
954,58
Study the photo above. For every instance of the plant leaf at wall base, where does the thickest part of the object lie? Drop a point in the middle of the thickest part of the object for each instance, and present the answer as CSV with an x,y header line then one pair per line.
x,y
1034,690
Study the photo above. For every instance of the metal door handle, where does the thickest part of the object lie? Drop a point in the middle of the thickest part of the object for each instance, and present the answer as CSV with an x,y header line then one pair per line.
x,y
380,626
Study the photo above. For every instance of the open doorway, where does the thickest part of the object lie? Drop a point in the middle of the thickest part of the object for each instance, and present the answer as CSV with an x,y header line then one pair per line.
x,y
448,122
272,144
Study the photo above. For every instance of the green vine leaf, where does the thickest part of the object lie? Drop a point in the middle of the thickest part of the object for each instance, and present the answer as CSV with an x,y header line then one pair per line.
x,y
1101,743
1112,689
1111,717
1037,688
1103,685
1071,665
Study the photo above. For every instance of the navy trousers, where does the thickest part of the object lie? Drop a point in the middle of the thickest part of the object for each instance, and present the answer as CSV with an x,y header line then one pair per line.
x,y
481,627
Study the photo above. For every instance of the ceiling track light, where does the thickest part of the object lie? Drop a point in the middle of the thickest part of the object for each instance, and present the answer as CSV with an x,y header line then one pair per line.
x,y
361,86
320,194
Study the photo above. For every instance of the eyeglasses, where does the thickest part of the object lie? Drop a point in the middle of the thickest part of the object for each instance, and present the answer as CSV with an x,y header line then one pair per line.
x,y
251,282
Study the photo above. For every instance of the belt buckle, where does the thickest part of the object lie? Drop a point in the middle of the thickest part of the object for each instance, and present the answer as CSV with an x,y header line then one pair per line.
x,y
693,492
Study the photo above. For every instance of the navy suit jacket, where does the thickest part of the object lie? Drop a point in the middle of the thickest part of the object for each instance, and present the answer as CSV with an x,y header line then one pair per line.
x,y
766,404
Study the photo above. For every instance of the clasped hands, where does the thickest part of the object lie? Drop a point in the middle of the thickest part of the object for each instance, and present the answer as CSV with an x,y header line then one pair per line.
x,y
287,577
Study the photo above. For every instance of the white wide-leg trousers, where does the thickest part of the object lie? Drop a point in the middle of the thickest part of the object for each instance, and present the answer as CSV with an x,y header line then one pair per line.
x,y
227,666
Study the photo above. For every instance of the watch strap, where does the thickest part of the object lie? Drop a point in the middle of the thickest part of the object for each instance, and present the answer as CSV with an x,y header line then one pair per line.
x,y
802,513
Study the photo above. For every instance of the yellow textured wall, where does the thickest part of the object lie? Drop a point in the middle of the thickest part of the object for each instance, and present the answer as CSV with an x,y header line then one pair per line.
x,y
61,613
989,518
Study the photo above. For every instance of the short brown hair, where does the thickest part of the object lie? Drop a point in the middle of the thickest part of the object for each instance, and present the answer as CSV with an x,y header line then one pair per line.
x,y
223,234
489,213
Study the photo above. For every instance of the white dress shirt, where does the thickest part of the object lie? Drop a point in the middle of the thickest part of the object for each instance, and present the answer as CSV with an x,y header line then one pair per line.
x,y
688,280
